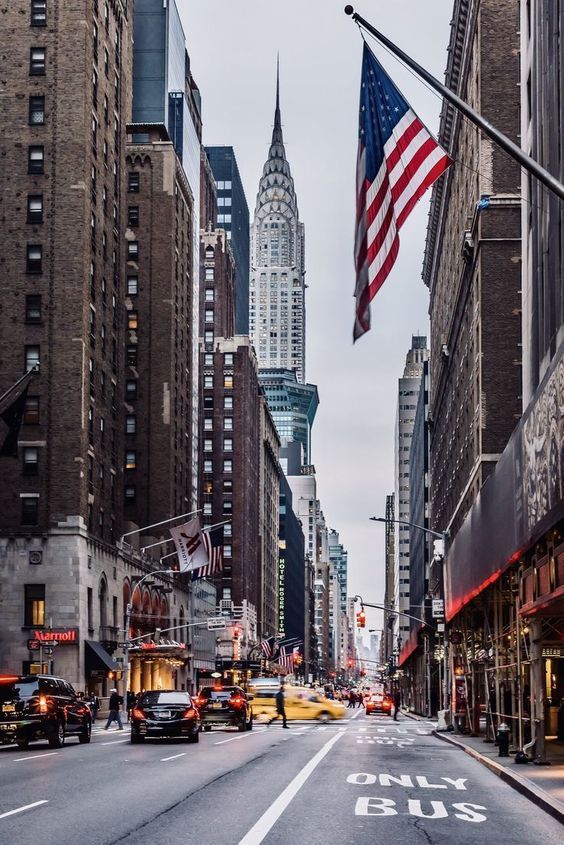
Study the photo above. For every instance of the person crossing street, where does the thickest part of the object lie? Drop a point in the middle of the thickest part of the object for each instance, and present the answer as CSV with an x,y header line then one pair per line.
x,y
116,701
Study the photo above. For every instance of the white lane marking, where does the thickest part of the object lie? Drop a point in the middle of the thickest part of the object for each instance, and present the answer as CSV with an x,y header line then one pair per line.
x,y
22,809
244,736
268,819
35,757
174,757
113,742
357,714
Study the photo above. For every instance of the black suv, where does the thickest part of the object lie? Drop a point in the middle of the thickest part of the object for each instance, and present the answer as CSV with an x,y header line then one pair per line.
x,y
225,706
41,707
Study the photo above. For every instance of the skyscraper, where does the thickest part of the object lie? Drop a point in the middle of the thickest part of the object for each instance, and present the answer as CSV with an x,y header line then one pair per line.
x,y
293,406
277,287
233,216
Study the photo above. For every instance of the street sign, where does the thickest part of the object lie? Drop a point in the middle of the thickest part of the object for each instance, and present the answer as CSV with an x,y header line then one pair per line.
x,y
33,645
438,608
217,624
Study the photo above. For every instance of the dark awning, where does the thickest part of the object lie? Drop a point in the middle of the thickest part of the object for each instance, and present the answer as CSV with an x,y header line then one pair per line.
x,y
98,659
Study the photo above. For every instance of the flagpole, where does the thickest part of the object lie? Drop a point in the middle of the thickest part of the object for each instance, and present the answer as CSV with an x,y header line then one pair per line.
x,y
32,372
521,157
156,524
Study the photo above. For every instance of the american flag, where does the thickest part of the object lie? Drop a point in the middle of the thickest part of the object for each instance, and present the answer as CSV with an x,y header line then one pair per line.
x,y
398,159
213,544
286,659
267,647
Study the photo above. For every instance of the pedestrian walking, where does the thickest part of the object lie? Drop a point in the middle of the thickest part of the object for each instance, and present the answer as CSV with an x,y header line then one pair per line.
x,y
397,702
280,709
352,698
94,704
359,699
115,703
131,702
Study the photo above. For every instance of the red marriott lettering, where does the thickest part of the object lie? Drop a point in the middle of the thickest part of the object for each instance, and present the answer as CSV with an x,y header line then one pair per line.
x,y
64,636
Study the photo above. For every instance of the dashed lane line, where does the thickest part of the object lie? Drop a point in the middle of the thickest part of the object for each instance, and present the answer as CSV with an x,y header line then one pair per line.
x,y
23,809
34,757
174,757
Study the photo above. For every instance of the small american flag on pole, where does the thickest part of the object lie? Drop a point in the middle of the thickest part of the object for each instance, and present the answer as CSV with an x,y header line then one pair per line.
x,y
267,647
398,159
286,659
213,544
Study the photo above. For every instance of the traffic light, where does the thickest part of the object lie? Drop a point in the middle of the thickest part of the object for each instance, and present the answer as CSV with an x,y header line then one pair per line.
x,y
351,663
361,619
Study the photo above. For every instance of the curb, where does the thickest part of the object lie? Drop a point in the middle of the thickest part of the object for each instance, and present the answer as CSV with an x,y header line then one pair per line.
x,y
521,784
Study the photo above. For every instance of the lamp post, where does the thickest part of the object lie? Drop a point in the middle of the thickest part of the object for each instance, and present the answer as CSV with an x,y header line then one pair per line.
x,y
439,556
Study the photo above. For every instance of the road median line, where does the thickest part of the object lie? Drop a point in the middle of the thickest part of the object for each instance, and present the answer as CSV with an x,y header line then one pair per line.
x,y
22,809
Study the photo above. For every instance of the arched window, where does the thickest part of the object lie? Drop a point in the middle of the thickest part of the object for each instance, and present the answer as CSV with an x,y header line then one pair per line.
x,y
103,601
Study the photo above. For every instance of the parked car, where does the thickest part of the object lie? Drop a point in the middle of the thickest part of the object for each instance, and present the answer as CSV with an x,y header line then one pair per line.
x,y
167,713
299,703
36,707
379,703
224,707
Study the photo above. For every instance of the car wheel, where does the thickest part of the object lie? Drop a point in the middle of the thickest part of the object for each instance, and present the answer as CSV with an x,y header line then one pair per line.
x,y
250,724
56,738
195,737
85,734
207,728
242,726
324,716
136,738
23,743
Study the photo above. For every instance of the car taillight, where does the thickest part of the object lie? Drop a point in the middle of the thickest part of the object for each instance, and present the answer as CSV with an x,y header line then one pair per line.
x,y
137,713
189,714
237,701
199,702
42,704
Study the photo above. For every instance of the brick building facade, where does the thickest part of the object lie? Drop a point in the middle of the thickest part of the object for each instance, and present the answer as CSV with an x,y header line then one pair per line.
x,y
472,265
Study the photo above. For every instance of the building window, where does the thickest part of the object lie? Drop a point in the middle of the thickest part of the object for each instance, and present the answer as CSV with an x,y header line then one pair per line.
x,y
35,208
132,250
30,460
131,459
133,215
228,381
228,403
130,493
208,403
131,424
208,466
131,356
33,308
228,359
31,411
208,382
208,337
227,444
133,183
132,285
209,274
227,530
207,508
35,159
228,423
31,357
34,258
210,296
208,445
132,321
34,605
208,424
30,510
209,315
37,110
208,359
228,466
227,506
227,485
131,388
39,12
227,549
37,61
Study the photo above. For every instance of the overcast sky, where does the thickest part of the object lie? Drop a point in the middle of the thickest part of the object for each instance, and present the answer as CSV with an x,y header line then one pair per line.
x,y
233,46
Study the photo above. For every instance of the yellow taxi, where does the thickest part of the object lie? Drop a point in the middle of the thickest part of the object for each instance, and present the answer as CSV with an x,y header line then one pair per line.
x,y
299,703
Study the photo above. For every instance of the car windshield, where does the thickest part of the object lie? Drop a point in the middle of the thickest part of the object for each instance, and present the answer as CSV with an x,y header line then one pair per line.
x,y
150,699
377,697
18,690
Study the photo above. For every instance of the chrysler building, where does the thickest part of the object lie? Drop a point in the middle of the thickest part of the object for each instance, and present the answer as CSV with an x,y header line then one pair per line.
x,y
276,302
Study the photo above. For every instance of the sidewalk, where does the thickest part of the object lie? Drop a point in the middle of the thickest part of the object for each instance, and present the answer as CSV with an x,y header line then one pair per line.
x,y
544,785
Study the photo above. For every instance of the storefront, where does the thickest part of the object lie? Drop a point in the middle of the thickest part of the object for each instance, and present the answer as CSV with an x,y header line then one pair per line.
x,y
157,665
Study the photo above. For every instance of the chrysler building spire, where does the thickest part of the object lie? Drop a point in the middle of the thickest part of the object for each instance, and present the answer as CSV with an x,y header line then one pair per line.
x,y
276,302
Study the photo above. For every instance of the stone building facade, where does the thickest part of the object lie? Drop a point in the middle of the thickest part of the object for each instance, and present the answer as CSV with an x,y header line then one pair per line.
x,y
268,610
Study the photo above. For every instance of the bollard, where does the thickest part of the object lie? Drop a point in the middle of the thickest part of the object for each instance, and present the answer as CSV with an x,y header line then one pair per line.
x,y
503,740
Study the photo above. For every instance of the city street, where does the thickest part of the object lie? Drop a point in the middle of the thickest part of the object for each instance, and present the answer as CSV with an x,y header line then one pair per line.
x,y
345,782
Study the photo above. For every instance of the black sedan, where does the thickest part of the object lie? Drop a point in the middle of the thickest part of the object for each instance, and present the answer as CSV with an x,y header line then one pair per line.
x,y
224,707
165,713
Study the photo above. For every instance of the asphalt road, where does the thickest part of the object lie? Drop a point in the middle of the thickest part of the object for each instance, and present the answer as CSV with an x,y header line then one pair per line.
x,y
362,780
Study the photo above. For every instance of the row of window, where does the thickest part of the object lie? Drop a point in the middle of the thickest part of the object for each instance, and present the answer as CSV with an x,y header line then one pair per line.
x,y
227,381
227,466
227,424
227,445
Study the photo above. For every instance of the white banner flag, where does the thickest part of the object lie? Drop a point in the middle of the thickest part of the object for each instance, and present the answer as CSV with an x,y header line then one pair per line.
x,y
189,544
